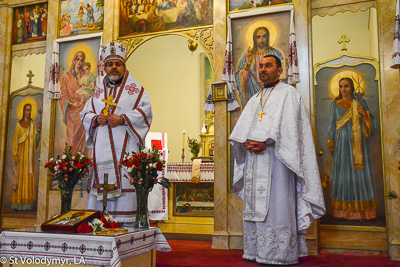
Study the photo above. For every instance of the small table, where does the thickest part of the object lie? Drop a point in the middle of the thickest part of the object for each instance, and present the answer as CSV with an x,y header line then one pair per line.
x,y
29,246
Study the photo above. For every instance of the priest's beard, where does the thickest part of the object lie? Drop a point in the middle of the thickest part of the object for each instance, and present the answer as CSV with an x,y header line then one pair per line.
x,y
114,76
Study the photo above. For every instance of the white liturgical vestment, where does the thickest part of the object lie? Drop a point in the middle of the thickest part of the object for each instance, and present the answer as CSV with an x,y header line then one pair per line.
x,y
133,104
281,186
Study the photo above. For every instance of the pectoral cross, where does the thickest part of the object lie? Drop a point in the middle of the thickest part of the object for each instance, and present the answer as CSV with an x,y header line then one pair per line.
x,y
261,113
105,187
343,40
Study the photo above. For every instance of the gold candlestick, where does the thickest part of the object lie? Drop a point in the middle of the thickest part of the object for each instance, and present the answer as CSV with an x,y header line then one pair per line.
x,y
183,155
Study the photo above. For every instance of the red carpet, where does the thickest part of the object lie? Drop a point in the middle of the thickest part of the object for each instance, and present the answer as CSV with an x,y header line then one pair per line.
x,y
199,253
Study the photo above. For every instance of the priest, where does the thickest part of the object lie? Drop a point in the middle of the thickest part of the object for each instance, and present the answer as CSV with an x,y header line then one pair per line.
x,y
276,172
116,119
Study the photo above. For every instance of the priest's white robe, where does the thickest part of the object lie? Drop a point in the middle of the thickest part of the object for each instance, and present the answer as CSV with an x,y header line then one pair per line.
x,y
280,187
108,143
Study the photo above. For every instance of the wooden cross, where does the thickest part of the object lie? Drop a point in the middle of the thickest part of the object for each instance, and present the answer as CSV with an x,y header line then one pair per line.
x,y
105,187
108,104
343,40
30,75
261,113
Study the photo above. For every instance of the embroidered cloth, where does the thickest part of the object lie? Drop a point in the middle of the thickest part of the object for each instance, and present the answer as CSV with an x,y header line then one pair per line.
x,y
182,172
293,61
196,170
95,250
228,75
158,197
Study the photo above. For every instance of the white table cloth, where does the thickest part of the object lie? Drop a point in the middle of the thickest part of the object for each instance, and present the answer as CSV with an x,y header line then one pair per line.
x,y
80,248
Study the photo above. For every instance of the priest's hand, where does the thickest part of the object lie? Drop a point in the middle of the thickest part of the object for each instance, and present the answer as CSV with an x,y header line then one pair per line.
x,y
114,120
255,147
102,119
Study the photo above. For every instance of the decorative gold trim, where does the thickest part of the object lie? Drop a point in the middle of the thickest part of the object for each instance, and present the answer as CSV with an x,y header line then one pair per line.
x,y
51,143
332,8
154,34
368,60
22,50
204,36
219,91
242,10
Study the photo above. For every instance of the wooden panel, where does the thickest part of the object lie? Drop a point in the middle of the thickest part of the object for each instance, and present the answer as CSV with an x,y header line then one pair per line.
x,y
367,239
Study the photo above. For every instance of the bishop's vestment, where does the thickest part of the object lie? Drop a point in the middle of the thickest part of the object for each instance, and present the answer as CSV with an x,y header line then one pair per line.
x,y
108,143
280,187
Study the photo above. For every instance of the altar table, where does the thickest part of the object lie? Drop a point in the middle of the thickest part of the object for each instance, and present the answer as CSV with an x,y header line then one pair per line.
x,y
182,172
135,248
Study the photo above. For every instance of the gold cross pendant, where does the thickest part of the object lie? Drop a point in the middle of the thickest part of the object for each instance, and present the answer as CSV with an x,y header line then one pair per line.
x,y
261,113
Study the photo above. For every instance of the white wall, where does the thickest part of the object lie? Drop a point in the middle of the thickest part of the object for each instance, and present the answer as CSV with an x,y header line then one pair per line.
x,y
20,68
359,27
170,74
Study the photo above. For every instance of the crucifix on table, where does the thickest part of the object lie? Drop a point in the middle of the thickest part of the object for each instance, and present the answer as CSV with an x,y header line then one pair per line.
x,y
109,103
105,187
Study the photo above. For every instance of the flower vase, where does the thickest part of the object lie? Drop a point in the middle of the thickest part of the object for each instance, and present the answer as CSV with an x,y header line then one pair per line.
x,y
195,152
66,199
142,196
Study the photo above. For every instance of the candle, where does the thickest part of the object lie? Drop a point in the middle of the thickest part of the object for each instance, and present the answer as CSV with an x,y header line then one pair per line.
x,y
183,145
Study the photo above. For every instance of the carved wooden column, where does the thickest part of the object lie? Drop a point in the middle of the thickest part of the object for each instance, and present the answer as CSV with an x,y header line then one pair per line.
x,y
6,15
302,9
46,143
220,237
390,81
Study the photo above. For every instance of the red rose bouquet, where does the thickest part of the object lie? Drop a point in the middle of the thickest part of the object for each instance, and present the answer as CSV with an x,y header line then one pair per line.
x,y
84,228
143,168
68,170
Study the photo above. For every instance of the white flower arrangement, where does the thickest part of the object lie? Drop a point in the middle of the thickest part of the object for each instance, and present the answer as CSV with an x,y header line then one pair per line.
x,y
97,225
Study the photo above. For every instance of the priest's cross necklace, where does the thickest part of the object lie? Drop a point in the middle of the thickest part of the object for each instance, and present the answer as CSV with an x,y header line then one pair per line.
x,y
262,112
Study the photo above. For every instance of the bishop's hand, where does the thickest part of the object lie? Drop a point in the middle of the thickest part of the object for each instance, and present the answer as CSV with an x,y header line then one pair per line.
x,y
255,147
102,119
114,120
